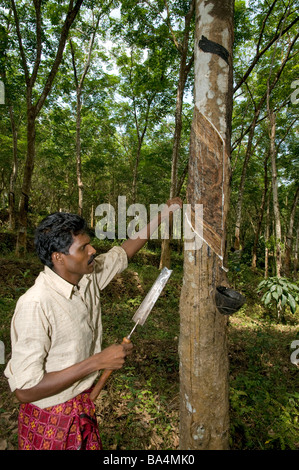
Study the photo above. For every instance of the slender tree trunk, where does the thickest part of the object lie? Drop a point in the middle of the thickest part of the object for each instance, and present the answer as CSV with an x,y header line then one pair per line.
x,y
289,236
266,96
92,216
79,87
204,405
276,210
165,260
78,154
135,172
296,255
13,176
140,137
242,182
273,150
21,245
261,215
267,234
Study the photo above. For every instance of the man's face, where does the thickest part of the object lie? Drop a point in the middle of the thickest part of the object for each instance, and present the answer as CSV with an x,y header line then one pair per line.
x,y
79,260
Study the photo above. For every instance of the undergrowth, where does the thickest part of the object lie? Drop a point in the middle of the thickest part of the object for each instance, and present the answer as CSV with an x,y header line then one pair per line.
x,y
139,407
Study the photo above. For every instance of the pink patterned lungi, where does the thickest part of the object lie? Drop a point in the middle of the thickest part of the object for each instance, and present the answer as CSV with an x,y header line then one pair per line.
x,y
68,426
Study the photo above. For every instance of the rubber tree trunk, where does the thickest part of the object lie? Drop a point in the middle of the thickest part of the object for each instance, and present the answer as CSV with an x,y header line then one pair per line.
x,y
165,260
296,255
140,137
289,237
261,215
204,388
237,243
276,209
267,235
78,154
14,173
21,244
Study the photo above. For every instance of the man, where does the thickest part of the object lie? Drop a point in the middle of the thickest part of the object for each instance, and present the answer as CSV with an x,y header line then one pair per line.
x,y
56,334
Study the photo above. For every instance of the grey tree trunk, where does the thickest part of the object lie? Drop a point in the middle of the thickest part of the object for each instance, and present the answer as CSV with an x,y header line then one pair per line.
x,y
276,209
14,173
289,236
204,404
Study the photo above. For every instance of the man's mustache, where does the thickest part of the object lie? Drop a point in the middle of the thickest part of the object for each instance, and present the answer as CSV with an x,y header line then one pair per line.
x,y
92,258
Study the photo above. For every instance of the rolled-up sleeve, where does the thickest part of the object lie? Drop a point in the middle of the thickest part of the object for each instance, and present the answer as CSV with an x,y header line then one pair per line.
x,y
108,265
30,344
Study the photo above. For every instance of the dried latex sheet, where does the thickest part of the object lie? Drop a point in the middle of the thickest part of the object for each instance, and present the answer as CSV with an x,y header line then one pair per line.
x,y
206,181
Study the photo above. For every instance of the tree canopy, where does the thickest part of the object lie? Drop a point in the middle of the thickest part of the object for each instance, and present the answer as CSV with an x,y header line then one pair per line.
x,y
128,94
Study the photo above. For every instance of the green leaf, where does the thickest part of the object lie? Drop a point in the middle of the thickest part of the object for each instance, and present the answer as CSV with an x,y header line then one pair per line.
x,y
262,283
292,303
283,300
275,295
268,298
279,291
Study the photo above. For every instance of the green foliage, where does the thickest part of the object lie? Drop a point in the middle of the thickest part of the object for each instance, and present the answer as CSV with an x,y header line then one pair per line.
x,y
139,407
286,426
242,25
263,391
138,70
281,292
278,425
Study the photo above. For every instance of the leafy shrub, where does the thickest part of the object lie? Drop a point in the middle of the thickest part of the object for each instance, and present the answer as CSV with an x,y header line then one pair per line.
x,y
281,292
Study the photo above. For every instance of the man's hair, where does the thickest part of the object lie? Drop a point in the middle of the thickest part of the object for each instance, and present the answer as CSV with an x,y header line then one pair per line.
x,y
55,233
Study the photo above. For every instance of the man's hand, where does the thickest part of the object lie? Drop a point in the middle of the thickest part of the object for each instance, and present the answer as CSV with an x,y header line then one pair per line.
x,y
113,357
52,383
132,246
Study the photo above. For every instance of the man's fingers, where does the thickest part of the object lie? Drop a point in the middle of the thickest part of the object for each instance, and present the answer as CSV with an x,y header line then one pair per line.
x,y
127,348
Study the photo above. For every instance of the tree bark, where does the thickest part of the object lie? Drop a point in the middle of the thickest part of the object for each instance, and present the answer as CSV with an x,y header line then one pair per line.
x,y
289,236
204,405
135,171
79,88
276,209
261,214
140,138
243,178
21,244
78,154
267,234
296,255
14,172
273,150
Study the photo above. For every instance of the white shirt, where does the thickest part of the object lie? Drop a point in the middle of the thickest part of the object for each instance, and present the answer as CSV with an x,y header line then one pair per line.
x,y
56,325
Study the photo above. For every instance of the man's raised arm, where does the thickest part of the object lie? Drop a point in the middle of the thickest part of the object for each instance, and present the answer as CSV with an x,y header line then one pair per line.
x,y
133,245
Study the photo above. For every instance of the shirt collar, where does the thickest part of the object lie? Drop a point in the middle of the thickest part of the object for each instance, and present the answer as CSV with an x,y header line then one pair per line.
x,y
59,284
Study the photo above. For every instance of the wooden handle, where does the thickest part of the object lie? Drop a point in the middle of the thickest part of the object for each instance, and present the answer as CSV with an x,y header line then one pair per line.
x,y
104,377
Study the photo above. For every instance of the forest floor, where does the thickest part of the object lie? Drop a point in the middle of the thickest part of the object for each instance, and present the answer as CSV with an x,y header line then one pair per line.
x,y
139,407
